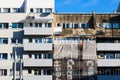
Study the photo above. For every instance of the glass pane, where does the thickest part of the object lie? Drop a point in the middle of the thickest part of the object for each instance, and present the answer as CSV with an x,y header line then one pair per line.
x,y
48,40
5,25
109,56
75,25
38,40
20,25
13,40
5,41
0,25
14,25
84,25
116,25
63,25
117,55
4,56
108,25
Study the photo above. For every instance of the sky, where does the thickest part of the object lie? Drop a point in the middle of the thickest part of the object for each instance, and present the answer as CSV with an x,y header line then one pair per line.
x,y
86,5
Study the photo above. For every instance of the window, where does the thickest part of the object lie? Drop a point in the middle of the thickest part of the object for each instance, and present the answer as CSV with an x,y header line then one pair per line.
x,y
58,24
38,24
48,56
31,24
39,10
0,25
3,56
76,25
19,41
117,55
48,24
48,40
48,10
31,10
116,25
37,72
108,25
38,40
64,25
3,40
109,56
6,10
29,71
38,56
4,25
20,25
3,72
67,25
14,25
84,25
17,25
30,40
30,55
47,72
16,10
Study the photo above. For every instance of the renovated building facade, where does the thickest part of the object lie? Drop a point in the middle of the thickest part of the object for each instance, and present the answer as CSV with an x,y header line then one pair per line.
x,y
25,39
38,44
94,39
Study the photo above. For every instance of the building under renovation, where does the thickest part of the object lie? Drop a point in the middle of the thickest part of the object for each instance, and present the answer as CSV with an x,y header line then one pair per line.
x,y
37,43
86,46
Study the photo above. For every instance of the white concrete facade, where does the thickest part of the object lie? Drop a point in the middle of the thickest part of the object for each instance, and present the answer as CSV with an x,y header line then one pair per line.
x,y
16,18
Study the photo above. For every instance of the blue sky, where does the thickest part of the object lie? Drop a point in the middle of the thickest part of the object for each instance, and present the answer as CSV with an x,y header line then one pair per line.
x,y
86,5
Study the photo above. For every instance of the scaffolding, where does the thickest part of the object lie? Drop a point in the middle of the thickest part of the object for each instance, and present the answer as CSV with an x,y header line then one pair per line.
x,y
69,63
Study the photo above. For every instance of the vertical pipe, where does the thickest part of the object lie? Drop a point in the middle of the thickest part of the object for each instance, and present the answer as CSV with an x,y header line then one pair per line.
x,y
14,73
21,69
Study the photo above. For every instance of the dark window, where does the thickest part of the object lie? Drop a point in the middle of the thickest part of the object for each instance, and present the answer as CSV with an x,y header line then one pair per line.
x,y
20,25
67,25
49,24
30,40
31,10
31,24
0,25
37,56
48,56
58,24
30,55
63,25
29,71
5,25
76,25
5,40
14,25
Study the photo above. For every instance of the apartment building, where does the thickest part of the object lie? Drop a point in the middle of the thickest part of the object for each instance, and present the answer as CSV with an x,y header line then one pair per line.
x,y
38,44
26,39
96,36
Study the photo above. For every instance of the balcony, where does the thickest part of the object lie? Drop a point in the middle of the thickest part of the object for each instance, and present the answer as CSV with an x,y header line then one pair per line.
x,y
108,46
38,47
38,62
41,77
108,77
108,62
37,31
